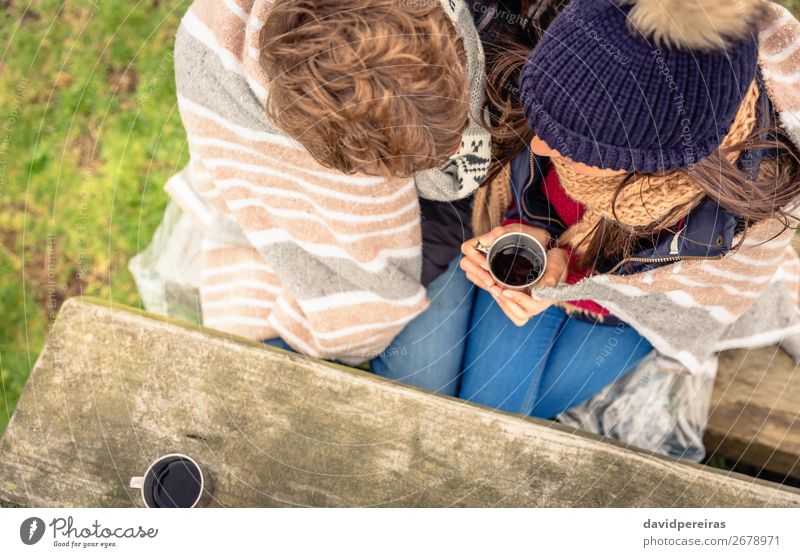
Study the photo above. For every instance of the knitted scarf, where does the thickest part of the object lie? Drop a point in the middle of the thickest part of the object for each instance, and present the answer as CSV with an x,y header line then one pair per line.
x,y
464,171
491,201
648,199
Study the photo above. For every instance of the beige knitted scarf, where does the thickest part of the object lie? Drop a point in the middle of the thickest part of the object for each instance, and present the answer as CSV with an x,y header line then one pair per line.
x,y
491,202
648,199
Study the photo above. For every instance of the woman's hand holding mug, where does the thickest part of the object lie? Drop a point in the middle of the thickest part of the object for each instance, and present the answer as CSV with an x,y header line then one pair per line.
x,y
519,306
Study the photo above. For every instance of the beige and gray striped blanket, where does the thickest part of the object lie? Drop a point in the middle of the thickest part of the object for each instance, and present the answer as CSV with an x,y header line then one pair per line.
x,y
329,262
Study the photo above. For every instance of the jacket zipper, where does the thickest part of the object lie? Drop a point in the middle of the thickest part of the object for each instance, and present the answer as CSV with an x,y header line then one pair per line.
x,y
663,260
525,210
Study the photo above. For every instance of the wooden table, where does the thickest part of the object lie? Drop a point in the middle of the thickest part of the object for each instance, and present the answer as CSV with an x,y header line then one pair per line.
x,y
114,388
755,411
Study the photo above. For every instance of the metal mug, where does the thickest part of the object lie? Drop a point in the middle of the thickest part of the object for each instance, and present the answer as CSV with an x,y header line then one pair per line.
x,y
171,481
523,243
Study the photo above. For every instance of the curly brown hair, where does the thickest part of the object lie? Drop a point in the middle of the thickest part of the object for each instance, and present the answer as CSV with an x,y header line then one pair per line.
x,y
371,86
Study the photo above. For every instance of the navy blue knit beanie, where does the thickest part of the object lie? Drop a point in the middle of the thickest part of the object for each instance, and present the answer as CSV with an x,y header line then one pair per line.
x,y
601,93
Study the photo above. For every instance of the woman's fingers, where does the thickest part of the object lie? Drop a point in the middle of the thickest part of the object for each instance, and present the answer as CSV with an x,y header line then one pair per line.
x,y
513,311
518,315
520,304
477,281
531,306
474,262
476,274
556,271
486,240
539,233
475,267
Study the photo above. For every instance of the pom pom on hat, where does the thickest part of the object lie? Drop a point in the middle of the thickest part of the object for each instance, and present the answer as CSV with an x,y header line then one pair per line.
x,y
606,96
694,24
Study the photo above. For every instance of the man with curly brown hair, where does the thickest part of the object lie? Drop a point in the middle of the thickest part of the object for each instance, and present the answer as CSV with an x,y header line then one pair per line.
x,y
315,127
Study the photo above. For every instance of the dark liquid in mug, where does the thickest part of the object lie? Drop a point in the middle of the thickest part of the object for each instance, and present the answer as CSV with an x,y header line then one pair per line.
x,y
516,266
176,484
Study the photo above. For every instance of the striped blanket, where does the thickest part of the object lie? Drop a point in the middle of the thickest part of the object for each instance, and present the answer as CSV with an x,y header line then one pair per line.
x,y
779,45
329,262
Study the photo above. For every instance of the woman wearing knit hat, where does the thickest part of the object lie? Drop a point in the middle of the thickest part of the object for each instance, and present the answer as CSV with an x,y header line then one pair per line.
x,y
659,177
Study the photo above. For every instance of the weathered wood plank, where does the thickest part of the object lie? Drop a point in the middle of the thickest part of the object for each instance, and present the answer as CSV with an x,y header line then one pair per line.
x,y
114,389
755,409
755,412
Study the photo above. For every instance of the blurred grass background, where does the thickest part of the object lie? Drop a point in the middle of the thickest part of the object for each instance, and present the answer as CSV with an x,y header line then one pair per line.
x,y
89,134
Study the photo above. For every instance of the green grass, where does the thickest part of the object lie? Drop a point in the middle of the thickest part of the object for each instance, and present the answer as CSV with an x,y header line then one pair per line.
x,y
89,134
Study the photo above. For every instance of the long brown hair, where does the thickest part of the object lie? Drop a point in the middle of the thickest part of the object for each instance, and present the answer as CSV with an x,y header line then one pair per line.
x,y
770,195
504,61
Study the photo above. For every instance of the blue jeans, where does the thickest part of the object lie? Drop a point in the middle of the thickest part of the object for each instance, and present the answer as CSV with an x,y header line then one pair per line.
x,y
549,365
429,352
